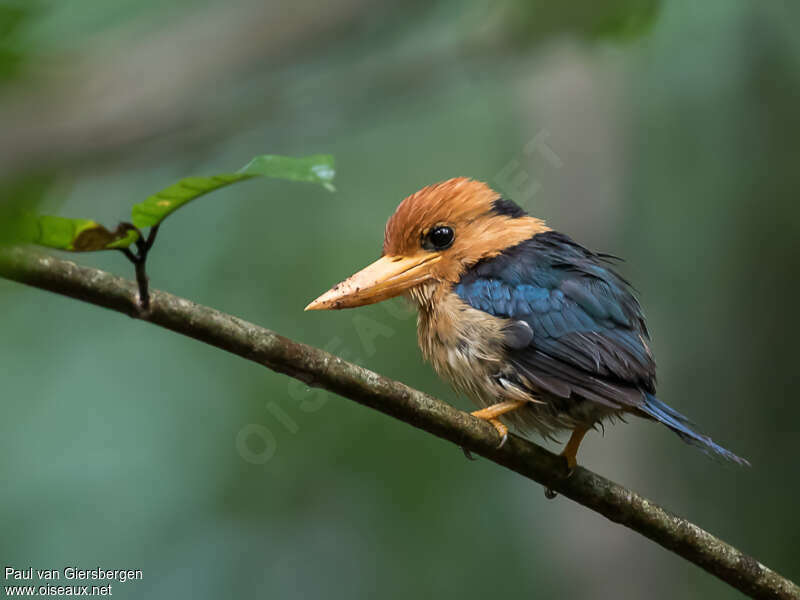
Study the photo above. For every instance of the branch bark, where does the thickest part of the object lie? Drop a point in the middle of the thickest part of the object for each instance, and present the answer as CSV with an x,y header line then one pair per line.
x,y
321,369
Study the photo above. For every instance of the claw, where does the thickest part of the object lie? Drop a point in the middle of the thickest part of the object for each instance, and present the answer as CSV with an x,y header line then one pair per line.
x,y
550,493
502,431
492,412
468,454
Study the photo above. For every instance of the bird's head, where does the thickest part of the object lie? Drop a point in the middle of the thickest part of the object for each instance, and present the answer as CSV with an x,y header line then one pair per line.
x,y
432,238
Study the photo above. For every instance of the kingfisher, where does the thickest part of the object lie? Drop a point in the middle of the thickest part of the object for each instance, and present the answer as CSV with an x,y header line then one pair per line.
x,y
541,333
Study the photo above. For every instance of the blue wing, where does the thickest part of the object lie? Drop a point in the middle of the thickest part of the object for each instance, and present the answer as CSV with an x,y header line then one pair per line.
x,y
576,328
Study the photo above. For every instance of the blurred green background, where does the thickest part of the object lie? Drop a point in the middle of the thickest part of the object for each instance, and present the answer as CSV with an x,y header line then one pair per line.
x,y
666,133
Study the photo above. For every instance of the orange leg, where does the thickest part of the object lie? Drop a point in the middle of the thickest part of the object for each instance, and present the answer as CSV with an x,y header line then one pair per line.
x,y
570,451
490,413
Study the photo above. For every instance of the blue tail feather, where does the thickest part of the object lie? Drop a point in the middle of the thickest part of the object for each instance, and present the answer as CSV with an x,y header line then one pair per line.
x,y
685,429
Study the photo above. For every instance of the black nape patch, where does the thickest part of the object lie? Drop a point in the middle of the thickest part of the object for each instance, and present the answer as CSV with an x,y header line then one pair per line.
x,y
507,208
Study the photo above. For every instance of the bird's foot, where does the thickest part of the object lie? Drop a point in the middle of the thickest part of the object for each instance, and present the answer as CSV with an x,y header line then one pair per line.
x,y
571,461
502,431
570,451
570,456
468,454
550,493
491,413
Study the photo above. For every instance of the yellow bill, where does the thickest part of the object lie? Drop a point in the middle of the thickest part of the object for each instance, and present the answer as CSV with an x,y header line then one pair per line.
x,y
387,277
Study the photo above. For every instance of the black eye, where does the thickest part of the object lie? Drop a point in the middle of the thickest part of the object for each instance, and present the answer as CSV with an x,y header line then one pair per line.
x,y
438,238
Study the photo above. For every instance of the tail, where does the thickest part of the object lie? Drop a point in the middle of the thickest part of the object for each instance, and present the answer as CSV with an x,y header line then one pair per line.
x,y
653,407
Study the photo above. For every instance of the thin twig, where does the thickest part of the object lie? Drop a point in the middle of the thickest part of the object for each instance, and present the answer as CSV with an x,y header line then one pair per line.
x,y
129,255
321,369
151,238
139,261
143,282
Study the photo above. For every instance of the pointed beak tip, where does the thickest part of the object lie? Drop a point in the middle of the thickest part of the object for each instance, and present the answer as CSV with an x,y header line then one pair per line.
x,y
314,305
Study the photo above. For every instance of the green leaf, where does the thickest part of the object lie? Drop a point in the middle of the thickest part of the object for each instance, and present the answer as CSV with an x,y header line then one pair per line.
x,y
314,169
76,235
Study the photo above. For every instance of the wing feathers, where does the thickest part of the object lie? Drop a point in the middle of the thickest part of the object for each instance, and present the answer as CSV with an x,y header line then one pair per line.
x,y
576,328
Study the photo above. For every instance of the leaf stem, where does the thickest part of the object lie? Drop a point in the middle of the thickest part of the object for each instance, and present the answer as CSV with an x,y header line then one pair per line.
x,y
151,237
139,260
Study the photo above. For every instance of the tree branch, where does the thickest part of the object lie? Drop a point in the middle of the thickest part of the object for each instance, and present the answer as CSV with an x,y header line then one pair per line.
x,y
321,369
